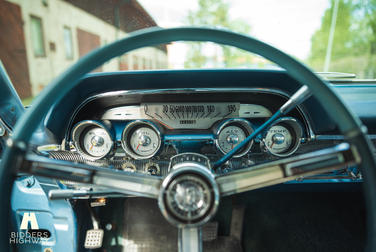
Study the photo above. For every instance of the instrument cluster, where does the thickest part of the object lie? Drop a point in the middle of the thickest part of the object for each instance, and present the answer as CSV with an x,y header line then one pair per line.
x,y
147,130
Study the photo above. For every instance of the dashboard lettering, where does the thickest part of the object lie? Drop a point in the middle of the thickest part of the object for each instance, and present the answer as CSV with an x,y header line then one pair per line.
x,y
187,121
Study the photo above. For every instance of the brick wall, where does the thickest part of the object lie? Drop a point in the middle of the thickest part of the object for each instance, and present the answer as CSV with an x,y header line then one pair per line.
x,y
87,42
12,47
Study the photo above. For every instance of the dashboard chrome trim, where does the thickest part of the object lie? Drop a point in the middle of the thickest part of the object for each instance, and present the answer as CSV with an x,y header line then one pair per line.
x,y
311,135
339,137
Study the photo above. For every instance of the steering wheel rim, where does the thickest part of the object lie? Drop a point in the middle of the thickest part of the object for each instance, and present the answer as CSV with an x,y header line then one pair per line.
x,y
349,125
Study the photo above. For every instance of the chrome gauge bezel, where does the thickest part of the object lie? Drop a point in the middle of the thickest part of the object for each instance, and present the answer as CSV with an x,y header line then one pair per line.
x,y
234,122
293,124
84,125
129,128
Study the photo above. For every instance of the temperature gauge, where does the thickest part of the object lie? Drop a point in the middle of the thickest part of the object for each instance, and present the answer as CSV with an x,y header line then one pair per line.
x,y
93,140
283,137
141,139
278,139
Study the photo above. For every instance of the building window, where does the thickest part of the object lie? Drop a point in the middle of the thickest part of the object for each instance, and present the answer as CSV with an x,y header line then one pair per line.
x,y
135,62
37,36
123,63
68,44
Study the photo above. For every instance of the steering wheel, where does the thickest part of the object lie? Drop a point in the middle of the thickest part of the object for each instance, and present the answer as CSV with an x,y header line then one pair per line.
x,y
360,150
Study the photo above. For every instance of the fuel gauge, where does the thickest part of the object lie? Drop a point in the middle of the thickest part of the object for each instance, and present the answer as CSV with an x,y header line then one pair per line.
x,y
93,140
141,139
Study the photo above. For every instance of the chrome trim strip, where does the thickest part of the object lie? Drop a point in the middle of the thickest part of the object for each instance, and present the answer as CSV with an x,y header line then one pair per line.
x,y
279,171
281,93
339,137
119,181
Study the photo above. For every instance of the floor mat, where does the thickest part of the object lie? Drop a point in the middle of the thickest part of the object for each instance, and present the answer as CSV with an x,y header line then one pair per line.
x,y
303,221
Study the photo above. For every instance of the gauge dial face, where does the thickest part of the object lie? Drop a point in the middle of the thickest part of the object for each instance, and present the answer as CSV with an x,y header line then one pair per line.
x,y
230,137
278,139
144,141
97,142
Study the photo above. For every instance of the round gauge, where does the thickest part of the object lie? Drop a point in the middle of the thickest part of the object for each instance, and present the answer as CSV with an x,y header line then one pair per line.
x,y
283,137
141,139
230,137
93,140
97,142
144,141
278,139
231,133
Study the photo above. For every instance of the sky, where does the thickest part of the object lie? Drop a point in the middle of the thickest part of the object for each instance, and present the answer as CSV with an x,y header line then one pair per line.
x,y
285,24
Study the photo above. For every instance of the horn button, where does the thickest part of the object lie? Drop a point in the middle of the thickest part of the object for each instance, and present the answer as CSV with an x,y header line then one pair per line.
x,y
189,197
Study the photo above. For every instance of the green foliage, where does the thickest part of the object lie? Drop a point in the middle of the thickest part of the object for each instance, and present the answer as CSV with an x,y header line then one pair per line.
x,y
216,13
354,44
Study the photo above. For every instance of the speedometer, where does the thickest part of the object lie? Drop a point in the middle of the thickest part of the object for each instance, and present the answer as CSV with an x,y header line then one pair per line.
x,y
199,115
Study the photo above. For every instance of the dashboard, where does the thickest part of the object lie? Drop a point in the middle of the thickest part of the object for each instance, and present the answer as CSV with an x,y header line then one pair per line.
x,y
143,130
147,131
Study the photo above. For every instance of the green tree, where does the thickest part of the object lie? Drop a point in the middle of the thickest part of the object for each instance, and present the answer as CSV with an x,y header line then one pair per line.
x,y
342,35
216,13
354,44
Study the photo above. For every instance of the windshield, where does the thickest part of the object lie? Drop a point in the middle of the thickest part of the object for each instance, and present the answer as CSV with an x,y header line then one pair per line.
x,y
41,39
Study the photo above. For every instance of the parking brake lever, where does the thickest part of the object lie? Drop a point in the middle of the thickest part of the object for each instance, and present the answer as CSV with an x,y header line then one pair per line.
x,y
300,96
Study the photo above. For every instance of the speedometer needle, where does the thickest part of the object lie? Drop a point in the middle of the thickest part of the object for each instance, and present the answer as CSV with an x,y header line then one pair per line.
x,y
138,146
272,145
91,146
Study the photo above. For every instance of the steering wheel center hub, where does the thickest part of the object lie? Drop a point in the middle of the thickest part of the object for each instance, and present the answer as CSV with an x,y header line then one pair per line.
x,y
189,196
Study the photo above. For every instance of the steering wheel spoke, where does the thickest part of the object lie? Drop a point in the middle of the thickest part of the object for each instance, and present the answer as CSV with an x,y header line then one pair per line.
x,y
287,169
190,239
132,183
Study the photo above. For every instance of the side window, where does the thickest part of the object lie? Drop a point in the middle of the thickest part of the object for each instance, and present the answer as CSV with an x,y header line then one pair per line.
x,y
68,44
37,36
